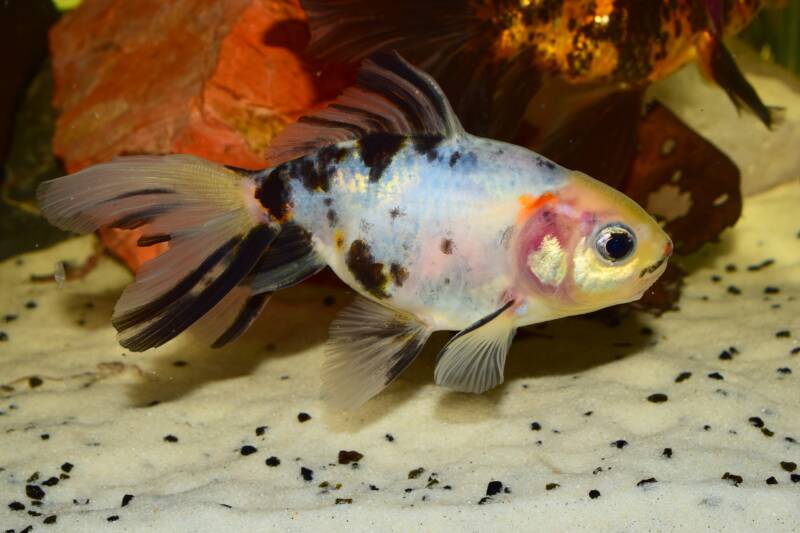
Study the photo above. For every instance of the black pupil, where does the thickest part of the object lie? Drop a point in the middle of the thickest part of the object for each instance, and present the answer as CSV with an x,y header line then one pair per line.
x,y
619,245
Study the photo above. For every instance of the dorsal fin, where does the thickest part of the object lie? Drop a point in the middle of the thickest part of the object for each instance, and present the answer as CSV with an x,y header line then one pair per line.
x,y
390,96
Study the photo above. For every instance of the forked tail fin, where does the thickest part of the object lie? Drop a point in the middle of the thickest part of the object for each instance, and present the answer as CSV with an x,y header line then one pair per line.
x,y
217,234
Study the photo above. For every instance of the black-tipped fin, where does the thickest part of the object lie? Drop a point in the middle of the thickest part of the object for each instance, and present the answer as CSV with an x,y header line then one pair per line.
x,y
474,359
369,346
289,260
205,211
718,63
163,318
390,96
231,317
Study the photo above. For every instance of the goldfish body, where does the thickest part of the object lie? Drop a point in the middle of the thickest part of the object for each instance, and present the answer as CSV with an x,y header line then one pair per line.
x,y
493,56
436,230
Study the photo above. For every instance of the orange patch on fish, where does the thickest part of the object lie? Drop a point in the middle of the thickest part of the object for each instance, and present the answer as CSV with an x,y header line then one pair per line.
x,y
530,204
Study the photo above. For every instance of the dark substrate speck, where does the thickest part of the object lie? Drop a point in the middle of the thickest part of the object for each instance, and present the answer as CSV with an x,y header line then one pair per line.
x,y
657,398
349,456
494,487
34,492
248,450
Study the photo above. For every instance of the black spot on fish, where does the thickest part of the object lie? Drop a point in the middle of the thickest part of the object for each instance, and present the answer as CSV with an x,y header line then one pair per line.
x,y
399,274
366,270
316,170
328,202
542,162
274,194
396,212
332,218
447,246
426,145
377,151
454,158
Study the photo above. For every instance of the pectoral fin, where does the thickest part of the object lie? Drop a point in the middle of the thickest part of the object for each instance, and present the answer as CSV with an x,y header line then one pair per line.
x,y
369,346
473,360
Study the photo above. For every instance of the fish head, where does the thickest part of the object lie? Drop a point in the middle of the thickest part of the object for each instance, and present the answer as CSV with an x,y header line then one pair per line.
x,y
586,246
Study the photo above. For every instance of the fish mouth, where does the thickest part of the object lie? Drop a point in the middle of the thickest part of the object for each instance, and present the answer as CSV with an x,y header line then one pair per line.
x,y
652,268
655,266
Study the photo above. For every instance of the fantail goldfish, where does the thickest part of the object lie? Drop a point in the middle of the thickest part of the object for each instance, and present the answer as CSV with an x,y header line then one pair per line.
x,y
436,229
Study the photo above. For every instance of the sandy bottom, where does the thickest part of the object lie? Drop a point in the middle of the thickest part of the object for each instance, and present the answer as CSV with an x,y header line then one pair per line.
x,y
689,420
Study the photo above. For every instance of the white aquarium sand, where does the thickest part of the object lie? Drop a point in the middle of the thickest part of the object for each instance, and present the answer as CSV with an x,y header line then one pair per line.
x,y
690,420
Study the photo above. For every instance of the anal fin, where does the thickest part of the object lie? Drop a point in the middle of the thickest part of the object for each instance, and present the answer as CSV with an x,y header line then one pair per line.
x,y
369,346
474,359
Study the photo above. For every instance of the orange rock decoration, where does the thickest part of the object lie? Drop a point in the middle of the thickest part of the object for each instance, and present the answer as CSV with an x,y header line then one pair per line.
x,y
217,79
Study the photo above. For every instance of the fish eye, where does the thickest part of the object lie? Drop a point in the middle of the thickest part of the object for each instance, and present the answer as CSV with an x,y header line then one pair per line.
x,y
615,242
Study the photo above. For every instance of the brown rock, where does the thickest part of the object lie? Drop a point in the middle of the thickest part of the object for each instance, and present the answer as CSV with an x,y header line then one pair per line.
x,y
217,79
